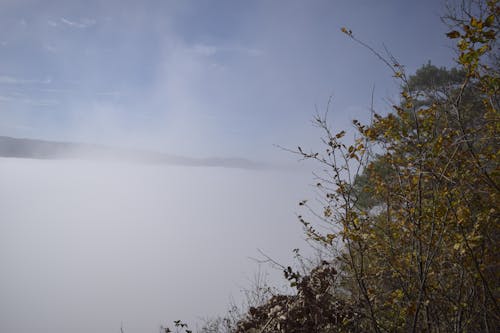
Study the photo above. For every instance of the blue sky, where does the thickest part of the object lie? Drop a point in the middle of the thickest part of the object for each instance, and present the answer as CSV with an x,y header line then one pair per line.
x,y
202,78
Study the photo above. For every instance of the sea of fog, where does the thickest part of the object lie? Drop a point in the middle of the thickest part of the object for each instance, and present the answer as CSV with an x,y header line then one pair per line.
x,y
86,246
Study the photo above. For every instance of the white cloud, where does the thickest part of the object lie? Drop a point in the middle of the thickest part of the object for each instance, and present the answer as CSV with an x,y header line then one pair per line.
x,y
42,102
50,48
57,90
210,50
19,98
81,24
248,50
15,80
110,93
204,50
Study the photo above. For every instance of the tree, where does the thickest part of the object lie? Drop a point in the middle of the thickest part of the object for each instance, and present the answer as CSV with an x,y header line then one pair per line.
x,y
415,198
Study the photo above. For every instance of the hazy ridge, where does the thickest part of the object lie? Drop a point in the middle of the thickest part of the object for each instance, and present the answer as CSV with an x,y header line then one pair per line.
x,y
42,149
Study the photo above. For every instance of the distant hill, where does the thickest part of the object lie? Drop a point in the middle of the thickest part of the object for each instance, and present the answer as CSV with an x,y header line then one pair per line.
x,y
41,149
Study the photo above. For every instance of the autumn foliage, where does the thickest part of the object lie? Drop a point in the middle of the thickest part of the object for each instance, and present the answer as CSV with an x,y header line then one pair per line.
x,y
415,199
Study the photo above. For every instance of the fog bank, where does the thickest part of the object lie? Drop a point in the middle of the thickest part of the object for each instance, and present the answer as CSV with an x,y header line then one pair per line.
x,y
87,245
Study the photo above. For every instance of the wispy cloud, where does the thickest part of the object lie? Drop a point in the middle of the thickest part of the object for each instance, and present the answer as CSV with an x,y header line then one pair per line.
x,y
81,24
110,93
210,50
19,98
249,50
15,80
42,102
50,48
204,50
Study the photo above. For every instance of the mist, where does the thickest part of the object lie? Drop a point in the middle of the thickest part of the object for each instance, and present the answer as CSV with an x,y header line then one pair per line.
x,y
87,245
139,167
